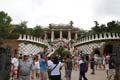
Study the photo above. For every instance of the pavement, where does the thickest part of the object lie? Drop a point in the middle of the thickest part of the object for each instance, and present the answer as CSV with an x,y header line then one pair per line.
x,y
99,75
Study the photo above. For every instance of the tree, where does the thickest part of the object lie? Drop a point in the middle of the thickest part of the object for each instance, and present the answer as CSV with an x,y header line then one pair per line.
x,y
30,31
103,28
96,28
5,27
22,28
13,34
38,31
113,26
61,51
82,33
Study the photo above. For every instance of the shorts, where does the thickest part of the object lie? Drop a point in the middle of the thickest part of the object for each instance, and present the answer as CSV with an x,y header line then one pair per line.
x,y
107,67
37,70
24,77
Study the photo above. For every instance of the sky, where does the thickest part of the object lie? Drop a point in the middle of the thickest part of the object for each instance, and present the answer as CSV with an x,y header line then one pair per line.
x,y
83,13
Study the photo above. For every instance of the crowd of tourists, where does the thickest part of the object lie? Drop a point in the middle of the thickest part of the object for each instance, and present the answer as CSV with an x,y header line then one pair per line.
x,y
41,67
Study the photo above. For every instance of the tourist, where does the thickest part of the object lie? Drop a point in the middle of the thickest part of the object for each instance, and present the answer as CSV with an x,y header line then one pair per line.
x,y
68,68
49,62
75,61
55,69
14,67
82,67
104,58
107,69
25,66
111,68
43,67
96,60
36,68
107,65
100,61
92,64
33,66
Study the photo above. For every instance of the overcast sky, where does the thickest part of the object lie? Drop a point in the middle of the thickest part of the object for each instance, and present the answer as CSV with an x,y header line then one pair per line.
x,y
43,12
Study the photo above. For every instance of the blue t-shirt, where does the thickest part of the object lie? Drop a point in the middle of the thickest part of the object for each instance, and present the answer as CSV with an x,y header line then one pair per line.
x,y
43,65
82,66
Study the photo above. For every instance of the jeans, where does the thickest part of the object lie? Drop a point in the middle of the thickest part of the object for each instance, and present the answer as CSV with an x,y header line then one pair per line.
x,y
82,75
56,77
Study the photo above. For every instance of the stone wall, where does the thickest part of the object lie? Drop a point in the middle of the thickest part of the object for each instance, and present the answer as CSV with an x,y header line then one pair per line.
x,y
12,44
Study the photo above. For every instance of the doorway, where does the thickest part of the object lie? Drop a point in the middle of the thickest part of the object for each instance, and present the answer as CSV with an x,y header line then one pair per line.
x,y
108,49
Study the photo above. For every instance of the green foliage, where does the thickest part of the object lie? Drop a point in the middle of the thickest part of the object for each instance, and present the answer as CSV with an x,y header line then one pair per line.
x,y
113,26
22,28
66,53
19,29
38,31
30,31
82,33
5,27
59,50
62,52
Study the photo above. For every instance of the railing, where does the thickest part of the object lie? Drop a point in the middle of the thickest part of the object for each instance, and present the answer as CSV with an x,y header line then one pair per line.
x,y
101,36
32,39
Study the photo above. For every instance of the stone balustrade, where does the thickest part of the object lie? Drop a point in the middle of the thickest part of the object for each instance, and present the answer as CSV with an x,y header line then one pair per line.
x,y
101,36
32,39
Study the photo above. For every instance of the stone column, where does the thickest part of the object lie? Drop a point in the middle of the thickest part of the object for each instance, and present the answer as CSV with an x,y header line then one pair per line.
x,y
45,37
69,34
52,35
76,35
60,34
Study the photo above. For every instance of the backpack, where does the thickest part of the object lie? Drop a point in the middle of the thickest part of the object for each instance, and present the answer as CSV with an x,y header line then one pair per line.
x,y
86,67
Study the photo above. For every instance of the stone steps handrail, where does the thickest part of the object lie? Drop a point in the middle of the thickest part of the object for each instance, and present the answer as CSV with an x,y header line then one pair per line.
x,y
96,37
32,39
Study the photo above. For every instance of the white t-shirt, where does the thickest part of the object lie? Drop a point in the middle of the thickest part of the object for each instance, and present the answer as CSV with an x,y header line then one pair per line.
x,y
56,71
49,62
37,65
15,62
81,61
